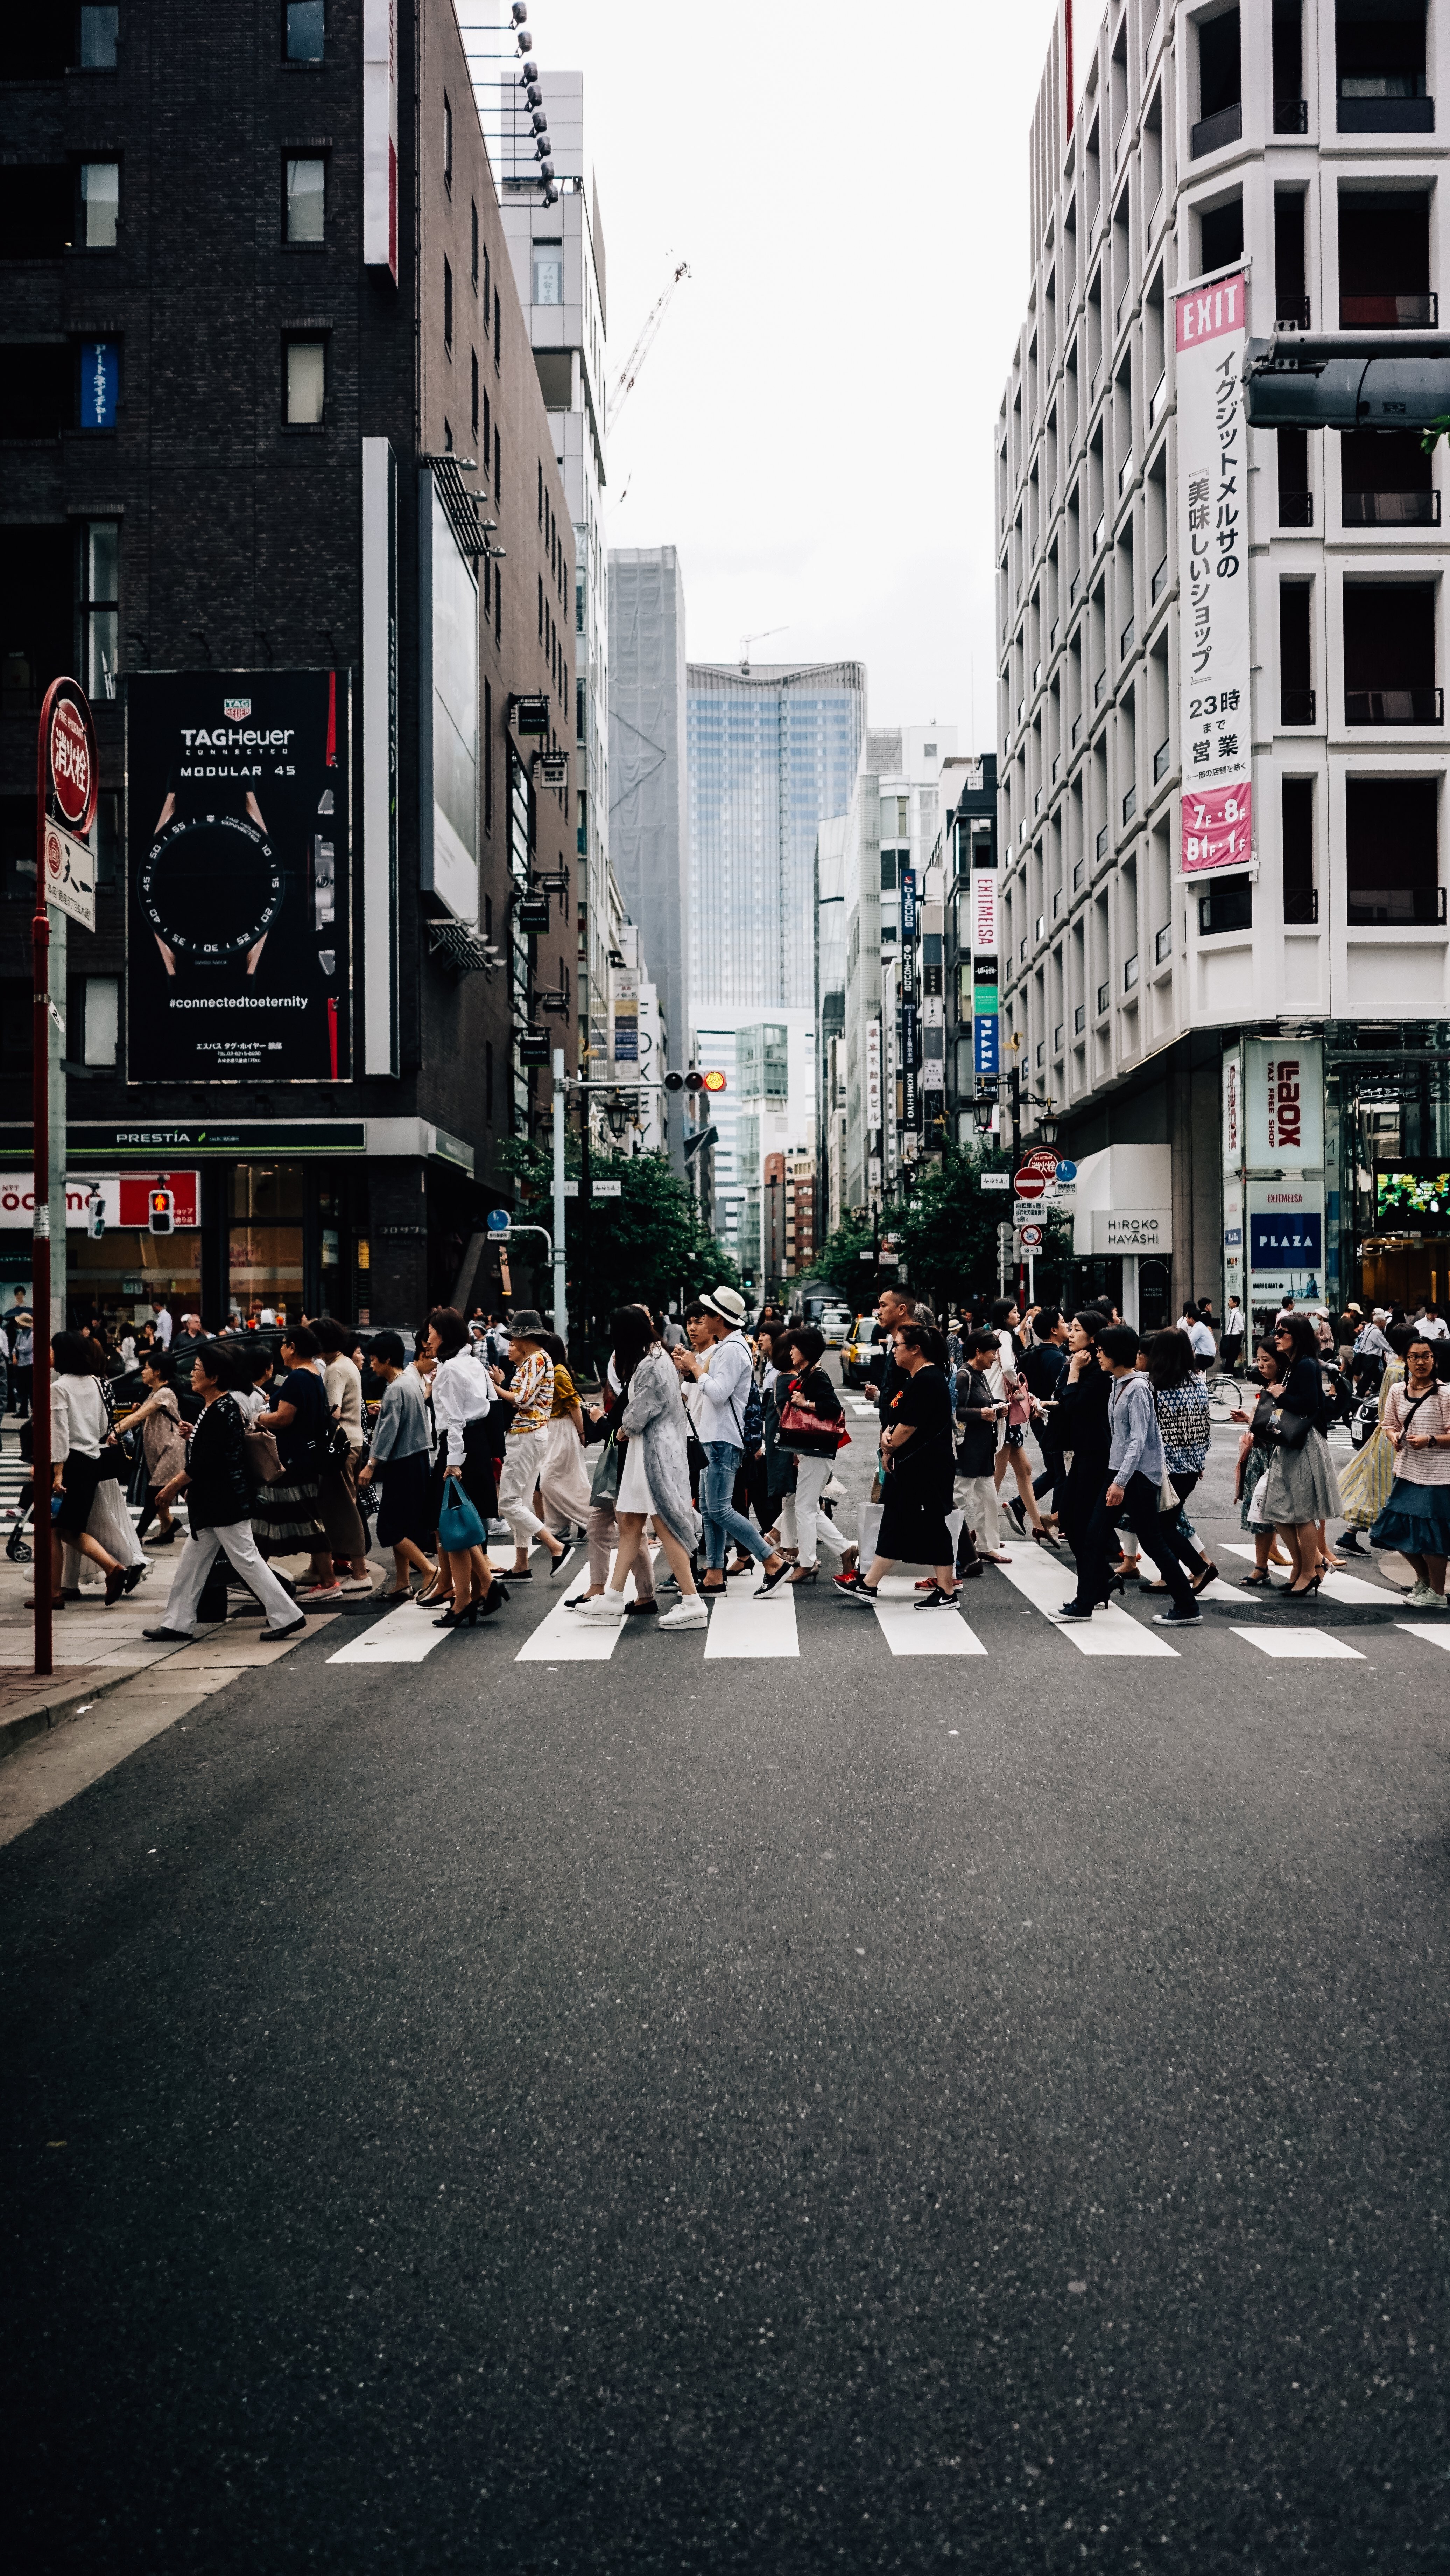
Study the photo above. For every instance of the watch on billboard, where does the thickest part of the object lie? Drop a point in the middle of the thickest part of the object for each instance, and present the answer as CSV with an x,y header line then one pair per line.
x,y
238,877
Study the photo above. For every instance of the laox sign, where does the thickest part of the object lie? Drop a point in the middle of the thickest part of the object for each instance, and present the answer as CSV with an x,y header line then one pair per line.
x,y
1285,1105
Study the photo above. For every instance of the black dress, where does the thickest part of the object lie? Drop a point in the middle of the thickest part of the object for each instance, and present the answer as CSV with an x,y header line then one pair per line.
x,y
1081,1425
917,1488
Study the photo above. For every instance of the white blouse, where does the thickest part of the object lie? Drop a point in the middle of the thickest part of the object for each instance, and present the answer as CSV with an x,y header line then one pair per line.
x,y
462,1393
78,1417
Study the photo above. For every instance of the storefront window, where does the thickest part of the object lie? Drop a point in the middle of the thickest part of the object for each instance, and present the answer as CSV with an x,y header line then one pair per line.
x,y
264,1245
124,1272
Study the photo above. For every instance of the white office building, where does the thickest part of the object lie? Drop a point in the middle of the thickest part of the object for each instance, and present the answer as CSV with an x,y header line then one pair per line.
x,y
1221,726
556,242
893,824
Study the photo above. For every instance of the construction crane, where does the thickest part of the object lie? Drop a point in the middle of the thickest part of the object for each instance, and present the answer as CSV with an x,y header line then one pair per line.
x,y
758,637
624,386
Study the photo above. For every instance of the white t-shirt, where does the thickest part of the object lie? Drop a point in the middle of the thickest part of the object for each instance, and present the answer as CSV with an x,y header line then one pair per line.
x,y
1201,1337
162,1323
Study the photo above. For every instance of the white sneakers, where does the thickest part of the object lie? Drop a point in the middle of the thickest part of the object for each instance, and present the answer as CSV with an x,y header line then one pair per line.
x,y
1422,1598
603,1605
688,1612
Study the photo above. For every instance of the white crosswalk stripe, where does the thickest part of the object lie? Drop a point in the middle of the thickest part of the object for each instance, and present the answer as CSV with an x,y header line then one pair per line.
x,y
405,1636
1047,1582
741,1625
1439,1636
1300,1645
1349,1588
567,1638
909,1631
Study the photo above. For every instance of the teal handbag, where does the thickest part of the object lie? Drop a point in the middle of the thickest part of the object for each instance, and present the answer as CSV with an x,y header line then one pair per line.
x,y
459,1527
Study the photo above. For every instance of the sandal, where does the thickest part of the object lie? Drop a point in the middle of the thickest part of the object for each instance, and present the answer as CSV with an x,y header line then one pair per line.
x,y
1258,1581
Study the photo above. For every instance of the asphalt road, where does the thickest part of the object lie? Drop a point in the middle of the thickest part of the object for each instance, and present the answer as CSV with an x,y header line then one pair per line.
x,y
835,2111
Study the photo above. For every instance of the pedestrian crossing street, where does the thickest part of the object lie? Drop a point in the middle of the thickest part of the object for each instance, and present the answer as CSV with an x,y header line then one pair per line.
x,y
745,1628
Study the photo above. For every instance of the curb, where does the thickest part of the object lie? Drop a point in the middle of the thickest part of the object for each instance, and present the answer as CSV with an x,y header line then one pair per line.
x,y
27,1723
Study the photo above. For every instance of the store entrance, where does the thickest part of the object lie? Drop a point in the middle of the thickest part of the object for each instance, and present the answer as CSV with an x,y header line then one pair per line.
x,y
1403,1273
265,1242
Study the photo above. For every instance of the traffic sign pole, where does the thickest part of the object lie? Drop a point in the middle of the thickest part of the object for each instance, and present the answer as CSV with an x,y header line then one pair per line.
x,y
561,1303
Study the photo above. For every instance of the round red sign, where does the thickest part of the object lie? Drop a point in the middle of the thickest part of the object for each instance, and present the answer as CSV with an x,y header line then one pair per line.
x,y
1029,1183
72,764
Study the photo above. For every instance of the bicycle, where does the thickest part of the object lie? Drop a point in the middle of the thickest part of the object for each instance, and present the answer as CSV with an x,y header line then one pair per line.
x,y
1225,1398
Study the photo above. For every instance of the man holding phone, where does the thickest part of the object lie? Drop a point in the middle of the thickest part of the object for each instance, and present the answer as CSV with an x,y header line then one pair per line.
x,y
978,1414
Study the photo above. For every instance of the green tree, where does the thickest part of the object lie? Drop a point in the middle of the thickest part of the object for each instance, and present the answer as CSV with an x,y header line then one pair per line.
x,y
839,1261
647,1246
947,1233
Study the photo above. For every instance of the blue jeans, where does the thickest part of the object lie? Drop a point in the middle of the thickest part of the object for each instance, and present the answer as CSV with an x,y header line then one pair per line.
x,y
722,1521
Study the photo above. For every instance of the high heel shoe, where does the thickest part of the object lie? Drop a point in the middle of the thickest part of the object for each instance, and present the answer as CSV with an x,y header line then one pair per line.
x,y
1301,1591
803,1574
459,1618
492,1600
1208,1576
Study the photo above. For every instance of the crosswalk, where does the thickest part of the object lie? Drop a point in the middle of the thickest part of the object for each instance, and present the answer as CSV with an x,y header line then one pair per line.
x,y
743,1627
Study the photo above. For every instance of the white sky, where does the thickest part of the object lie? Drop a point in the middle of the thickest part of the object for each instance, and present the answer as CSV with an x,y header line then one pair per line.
x,y
813,426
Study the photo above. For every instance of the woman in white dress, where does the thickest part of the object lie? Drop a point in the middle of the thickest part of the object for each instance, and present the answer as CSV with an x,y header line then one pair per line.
x,y
655,1483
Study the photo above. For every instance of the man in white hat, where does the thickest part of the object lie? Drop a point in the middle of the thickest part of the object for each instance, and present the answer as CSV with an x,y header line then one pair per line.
x,y
726,1382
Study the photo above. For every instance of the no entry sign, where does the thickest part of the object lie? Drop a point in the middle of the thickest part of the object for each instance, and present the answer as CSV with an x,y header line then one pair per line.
x,y
1036,1174
70,753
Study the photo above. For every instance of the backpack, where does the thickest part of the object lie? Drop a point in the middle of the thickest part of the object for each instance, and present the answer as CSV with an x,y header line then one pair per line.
x,y
752,1429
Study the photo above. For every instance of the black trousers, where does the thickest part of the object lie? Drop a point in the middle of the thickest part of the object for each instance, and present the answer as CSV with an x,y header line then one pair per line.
x,y
1054,1473
1095,1555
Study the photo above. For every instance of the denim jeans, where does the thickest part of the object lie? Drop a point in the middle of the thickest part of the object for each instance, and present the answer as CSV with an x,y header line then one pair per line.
x,y
722,1521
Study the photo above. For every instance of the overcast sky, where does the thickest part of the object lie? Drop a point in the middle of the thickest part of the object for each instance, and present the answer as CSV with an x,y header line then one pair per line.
x,y
813,425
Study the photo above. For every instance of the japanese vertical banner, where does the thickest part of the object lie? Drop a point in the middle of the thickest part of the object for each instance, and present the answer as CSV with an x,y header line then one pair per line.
x,y
1213,557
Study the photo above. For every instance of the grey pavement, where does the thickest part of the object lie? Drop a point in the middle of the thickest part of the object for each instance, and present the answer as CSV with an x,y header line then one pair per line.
x,y
843,2109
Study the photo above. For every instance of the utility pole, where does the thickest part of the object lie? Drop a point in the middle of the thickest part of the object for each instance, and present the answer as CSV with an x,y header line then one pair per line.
x,y
561,1302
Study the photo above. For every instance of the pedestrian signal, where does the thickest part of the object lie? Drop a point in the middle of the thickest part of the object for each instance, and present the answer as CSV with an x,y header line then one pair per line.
x,y
95,1216
161,1211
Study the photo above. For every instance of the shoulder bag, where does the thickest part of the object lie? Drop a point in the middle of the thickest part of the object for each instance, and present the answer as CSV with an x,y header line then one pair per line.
x,y
604,1483
810,1434
260,1456
1291,1430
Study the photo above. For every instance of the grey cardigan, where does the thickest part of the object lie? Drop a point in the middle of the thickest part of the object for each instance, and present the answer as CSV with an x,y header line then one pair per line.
x,y
655,1414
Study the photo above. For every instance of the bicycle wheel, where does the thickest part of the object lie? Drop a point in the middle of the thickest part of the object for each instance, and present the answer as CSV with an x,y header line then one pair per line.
x,y
1225,1399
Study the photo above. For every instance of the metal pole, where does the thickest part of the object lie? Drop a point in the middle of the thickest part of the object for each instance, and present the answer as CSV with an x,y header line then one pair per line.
x,y
1014,1093
561,1305
40,1467
56,1107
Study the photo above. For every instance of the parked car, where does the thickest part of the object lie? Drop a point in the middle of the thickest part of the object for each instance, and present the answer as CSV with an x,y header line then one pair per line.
x,y
857,1360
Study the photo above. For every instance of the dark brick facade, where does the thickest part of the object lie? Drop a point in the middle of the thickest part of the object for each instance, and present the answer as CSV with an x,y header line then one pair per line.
x,y
240,540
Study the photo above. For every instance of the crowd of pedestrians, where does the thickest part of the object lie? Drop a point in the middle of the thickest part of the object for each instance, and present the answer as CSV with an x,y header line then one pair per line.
x,y
718,1446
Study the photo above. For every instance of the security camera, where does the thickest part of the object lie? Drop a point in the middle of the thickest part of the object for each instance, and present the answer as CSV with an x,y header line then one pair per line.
x,y
520,12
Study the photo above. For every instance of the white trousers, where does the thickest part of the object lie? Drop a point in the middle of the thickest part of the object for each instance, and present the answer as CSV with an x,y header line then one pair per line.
x,y
198,1555
523,1464
563,1484
803,1524
979,1503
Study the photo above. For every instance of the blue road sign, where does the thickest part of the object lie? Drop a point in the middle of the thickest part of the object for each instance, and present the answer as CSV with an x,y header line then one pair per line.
x,y
1066,1171
498,1220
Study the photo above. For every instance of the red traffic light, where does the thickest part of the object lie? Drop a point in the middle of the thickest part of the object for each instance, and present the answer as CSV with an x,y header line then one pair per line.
x,y
714,1082
161,1211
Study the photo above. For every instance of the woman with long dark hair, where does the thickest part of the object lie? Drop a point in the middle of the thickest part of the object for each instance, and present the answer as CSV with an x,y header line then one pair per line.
x,y
919,1464
1255,1458
1082,1428
1181,1401
655,1480
80,1429
462,1402
1303,1489
601,1528
1416,1519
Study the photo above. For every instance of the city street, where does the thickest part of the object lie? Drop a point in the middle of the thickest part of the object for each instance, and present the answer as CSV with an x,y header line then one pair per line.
x,y
857,2090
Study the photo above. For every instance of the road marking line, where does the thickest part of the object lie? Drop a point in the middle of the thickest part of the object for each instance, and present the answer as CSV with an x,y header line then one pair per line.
x,y
1433,1636
908,1631
1335,1587
743,1625
1301,1645
403,1637
564,1638
1108,1632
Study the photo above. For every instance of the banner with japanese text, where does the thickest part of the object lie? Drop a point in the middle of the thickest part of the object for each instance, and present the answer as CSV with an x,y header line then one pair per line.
x,y
1213,557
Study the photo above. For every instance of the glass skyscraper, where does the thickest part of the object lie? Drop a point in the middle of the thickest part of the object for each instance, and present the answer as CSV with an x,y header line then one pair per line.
x,y
771,751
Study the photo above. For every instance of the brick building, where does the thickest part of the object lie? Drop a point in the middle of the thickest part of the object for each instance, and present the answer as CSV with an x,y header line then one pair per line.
x,y
258,312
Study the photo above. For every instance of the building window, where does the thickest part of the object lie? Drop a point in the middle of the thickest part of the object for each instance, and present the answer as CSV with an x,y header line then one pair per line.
x,y
497,464
549,272
488,1081
497,605
581,835
473,368
302,31
448,306
447,437
101,604
1392,859
304,383
497,329
99,31
541,608
448,143
100,204
488,775
473,239
304,201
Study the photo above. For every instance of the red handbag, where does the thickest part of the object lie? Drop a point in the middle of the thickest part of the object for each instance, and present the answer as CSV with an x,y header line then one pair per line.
x,y
801,1429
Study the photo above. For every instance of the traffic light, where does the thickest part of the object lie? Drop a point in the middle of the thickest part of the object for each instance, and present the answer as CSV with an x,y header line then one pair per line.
x,y
95,1215
694,1082
161,1211
1353,381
